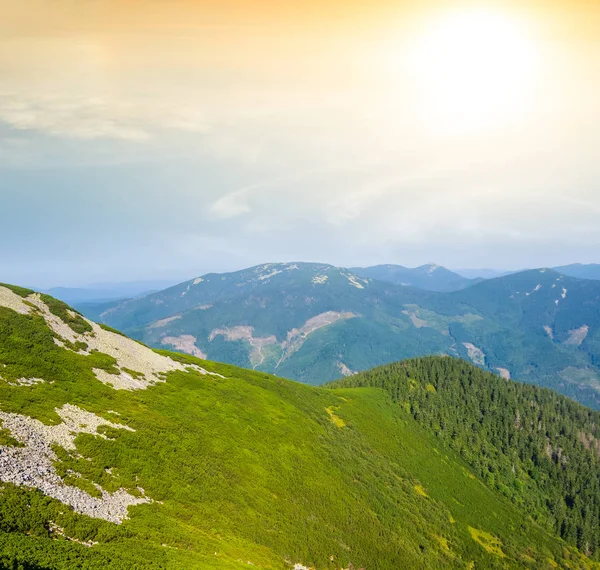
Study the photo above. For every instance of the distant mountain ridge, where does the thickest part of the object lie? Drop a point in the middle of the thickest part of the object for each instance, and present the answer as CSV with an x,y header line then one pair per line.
x,y
317,322
590,271
431,277
106,292
483,273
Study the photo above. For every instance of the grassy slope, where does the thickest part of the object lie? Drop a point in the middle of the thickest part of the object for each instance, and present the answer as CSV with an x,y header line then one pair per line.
x,y
530,444
252,468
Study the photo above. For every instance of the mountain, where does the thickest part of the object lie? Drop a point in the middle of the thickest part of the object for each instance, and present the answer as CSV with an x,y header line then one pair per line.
x,y
430,277
316,323
483,273
306,321
104,292
546,330
581,271
115,456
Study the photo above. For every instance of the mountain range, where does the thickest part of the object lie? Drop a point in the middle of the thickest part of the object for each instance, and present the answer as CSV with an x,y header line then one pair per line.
x,y
116,456
590,271
430,277
583,271
104,292
316,323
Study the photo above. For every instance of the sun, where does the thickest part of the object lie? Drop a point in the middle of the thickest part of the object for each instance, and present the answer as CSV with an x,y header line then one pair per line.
x,y
473,68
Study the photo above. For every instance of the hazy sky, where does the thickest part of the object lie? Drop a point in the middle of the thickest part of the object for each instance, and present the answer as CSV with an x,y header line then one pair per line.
x,y
169,138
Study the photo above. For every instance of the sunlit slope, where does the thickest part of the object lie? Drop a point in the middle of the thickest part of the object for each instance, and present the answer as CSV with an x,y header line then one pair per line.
x,y
114,456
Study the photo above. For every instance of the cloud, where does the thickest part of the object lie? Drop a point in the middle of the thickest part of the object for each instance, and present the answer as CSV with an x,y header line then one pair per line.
x,y
166,138
234,204
83,119
90,118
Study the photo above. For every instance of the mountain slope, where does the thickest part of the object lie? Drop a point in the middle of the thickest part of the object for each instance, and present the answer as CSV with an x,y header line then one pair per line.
x,y
430,277
310,322
315,323
115,456
550,330
536,448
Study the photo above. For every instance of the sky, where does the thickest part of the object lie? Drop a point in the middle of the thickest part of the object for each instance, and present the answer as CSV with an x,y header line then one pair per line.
x,y
164,139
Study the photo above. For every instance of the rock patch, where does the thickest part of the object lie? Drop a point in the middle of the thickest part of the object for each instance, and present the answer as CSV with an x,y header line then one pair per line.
x,y
475,354
148,366
32,465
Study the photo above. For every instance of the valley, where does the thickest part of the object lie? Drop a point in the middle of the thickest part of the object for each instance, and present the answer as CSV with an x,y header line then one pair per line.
x,y
315,323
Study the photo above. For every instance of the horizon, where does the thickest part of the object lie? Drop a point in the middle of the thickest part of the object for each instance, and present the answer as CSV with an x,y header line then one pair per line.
x,y
165,282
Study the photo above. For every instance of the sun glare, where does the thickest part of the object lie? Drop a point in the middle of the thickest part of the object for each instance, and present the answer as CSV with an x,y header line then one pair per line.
x,y
473,69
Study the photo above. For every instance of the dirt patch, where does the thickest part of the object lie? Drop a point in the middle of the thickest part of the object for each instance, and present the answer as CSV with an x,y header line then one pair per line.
x,y
504,373
297,337
294,338
537,288
345,370
233,333
164,322
475,354
266,276
416,321
185,343
577,336
355,281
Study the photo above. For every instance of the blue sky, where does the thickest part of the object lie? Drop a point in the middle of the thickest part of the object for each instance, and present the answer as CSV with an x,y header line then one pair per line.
x,y
163,147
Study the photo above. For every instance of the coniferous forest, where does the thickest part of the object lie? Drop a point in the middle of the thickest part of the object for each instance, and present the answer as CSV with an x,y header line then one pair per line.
x,y
537,448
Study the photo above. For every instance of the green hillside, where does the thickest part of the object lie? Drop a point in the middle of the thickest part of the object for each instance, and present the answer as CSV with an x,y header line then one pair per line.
x,y
537,448
315,323
115,456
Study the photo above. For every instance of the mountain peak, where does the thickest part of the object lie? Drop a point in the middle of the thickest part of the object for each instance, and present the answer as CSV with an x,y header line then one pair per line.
x,y
431,277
